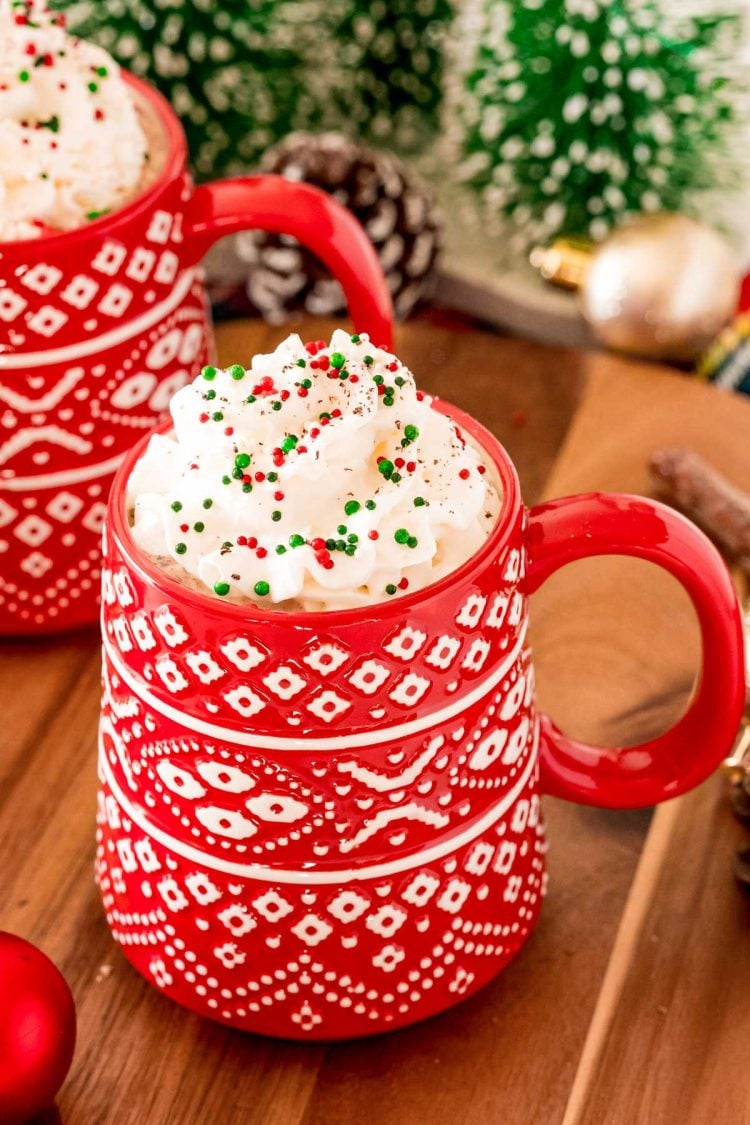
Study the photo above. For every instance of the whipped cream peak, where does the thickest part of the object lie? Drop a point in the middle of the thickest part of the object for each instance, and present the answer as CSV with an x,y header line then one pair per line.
x,y
319,478
71,143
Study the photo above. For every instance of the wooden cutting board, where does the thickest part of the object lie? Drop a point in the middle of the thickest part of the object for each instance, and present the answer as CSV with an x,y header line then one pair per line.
x,y
629,1003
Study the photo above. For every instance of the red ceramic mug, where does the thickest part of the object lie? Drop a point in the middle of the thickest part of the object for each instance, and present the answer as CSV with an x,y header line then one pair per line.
x,y
98,328
324,825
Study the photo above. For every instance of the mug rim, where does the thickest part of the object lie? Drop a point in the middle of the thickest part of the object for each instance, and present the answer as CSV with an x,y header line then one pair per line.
x,y
174,162
248,613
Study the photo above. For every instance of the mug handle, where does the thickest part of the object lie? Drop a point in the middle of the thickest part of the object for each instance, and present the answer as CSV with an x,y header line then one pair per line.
x,y
578,527
324,226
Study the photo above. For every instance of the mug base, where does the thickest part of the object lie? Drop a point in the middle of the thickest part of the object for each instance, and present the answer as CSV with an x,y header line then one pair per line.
x,y
336,1026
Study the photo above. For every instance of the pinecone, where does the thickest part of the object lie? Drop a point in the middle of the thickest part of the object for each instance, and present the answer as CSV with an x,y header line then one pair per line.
x,y
395,208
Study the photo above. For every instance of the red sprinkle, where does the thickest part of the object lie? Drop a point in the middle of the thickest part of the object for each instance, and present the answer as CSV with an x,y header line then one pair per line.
x,y
184,527
373,534
242,541
464,474
336,413
481,470
411,466
247,478
381,389
399,462
324,363
314,432
203,417
284,396
324,421
403,584
278,495
259,476
261,553
393,366
229,430
302,392
252,541
318,544
354,378
420,396
301,449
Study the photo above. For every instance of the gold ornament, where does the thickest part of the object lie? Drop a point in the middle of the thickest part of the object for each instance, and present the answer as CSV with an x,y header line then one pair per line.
x,y
661,287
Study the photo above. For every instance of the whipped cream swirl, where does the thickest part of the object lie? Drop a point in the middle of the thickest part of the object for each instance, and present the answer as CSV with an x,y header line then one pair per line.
x,y
321,478
71,144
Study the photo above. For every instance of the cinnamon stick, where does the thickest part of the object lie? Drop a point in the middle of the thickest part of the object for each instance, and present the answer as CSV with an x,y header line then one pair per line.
x,y
721,509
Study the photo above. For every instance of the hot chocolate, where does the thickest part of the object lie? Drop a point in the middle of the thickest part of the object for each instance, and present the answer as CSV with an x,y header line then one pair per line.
x,y
319,479
74,142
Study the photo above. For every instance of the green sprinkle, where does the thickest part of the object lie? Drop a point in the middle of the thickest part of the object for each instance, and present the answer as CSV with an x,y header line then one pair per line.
x,y
331,544
419,501
281,549
412,541
306,383
370,505
180,548
341,529
337,359
411,432
176,506
350,549
368,361
227,545
237,371
210,395
52,123
296,540
221,588
247,488
276,515
385,467
378,379
340,545
91,215
199,526
272,477
23,76
218,416
401,536
242,460
289,443
355,339
353,538
237,473
93,87
250,399
387,400
261,588
395,477
343,374
102,71
390,588
301,363
208,503
399,380
276,405
226,480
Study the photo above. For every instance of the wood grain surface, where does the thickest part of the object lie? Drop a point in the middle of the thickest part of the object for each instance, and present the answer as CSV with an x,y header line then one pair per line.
x,y
586,1026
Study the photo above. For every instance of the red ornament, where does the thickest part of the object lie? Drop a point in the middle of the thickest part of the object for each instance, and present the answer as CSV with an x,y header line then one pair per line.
x,y
744,302
37,1030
